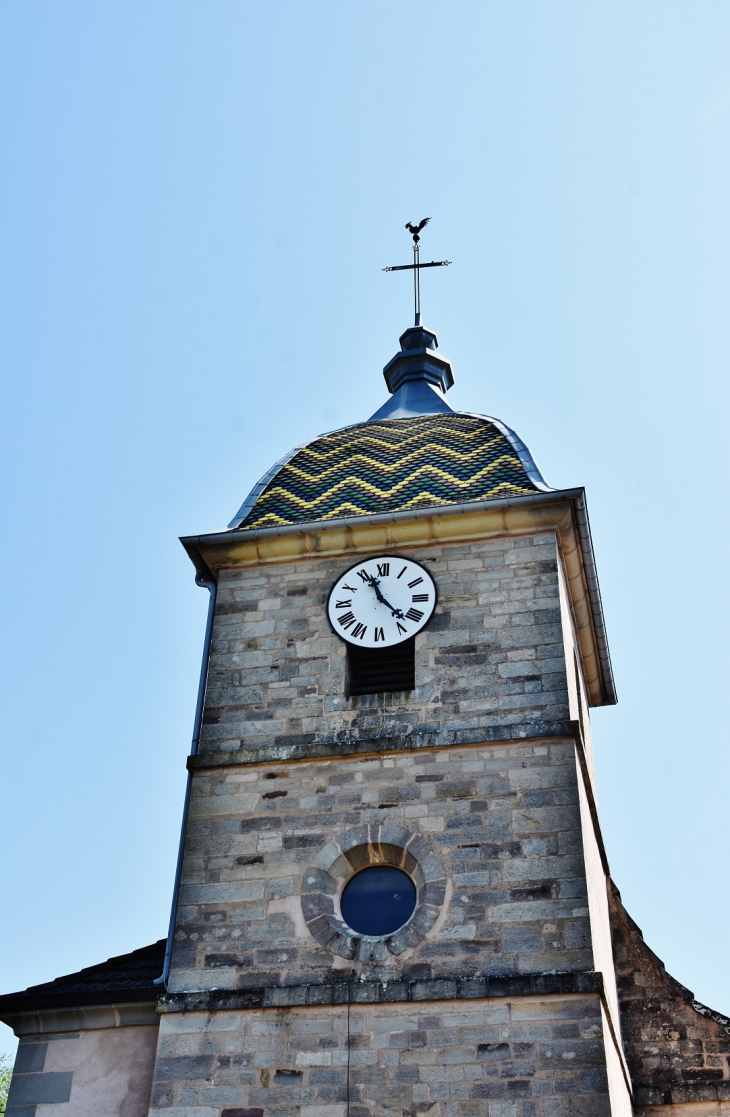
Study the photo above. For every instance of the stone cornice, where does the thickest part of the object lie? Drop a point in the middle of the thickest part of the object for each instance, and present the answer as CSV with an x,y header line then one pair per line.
x,y
313,749
384,992
81,1018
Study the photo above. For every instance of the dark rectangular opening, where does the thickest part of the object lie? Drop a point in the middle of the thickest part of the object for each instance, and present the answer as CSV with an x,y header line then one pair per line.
x,y
378,670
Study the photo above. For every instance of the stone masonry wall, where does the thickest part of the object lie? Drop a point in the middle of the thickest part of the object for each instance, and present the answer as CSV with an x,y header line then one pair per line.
x,y
473,774
496,1058
678,1050
502,820
490,664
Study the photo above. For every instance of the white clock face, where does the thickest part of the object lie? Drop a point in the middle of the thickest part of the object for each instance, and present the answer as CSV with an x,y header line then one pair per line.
x,y
381,601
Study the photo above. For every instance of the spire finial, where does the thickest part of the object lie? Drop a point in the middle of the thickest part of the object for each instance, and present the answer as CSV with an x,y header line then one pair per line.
x,y
416,266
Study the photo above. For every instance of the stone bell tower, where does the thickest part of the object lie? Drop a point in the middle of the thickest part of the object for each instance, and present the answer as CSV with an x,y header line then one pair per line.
x,y
392,897
458,758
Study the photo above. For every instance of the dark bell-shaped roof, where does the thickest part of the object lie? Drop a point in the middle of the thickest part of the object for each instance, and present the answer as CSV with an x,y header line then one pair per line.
x,y
414,452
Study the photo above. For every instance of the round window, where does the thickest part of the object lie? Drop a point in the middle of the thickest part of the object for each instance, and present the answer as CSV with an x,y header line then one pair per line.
x,y
378,900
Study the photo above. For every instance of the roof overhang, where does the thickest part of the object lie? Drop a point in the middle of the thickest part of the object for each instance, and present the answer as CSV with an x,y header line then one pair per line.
x,y
562,511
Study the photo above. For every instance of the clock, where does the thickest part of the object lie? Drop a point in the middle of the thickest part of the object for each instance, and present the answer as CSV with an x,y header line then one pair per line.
x,y
381,601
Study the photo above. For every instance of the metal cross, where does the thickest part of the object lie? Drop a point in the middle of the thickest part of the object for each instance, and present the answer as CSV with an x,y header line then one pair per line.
x,y
416,266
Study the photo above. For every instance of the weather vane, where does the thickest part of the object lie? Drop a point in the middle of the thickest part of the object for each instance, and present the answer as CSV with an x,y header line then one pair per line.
x,y
416,266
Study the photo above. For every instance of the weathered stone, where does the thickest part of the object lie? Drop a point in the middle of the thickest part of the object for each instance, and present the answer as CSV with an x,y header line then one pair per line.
x,y
392,1057
436,856
266,712
678,1051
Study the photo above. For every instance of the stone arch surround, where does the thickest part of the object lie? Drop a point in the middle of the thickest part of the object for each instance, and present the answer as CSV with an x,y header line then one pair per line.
x,y
346,854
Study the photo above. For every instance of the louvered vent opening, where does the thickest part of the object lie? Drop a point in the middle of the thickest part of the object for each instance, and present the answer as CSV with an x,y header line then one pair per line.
x,y
377,671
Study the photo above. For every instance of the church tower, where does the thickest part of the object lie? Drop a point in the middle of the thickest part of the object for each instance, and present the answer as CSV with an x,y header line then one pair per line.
x,y
392,897
393,892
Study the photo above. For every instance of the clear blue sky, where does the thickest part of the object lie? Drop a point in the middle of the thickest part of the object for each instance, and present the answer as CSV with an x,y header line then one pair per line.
x,y
197,201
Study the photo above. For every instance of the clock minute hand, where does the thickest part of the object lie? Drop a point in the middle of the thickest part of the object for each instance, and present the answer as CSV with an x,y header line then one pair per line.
x,y
398,613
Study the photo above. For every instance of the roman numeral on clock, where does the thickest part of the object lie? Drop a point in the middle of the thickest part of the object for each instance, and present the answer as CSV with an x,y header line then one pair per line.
x,y
346,619
364,575
383,569
379,634
415,582
414,614
352,589
359,630
347,604
401,629
415,597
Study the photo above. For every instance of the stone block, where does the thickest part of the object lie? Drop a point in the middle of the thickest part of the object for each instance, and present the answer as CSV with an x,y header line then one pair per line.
x,y
30,1057
45,1088
222,893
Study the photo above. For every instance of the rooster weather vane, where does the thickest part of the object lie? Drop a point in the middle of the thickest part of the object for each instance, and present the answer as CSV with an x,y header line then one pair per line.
x,y
415,229
415,267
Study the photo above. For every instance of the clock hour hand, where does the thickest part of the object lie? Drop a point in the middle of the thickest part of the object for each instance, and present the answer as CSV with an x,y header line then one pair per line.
x,y
374,582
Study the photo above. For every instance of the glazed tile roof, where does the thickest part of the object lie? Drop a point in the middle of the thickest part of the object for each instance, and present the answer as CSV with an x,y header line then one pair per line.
x,y
394,465
128,977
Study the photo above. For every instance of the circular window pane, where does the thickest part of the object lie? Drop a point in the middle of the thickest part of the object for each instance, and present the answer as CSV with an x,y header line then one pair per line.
x,y
378,900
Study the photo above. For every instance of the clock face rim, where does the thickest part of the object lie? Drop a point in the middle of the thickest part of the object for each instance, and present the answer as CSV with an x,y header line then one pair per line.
x,y
389,556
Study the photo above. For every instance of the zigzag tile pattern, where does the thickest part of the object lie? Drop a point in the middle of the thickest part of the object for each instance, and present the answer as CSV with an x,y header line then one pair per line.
x,y
390,466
